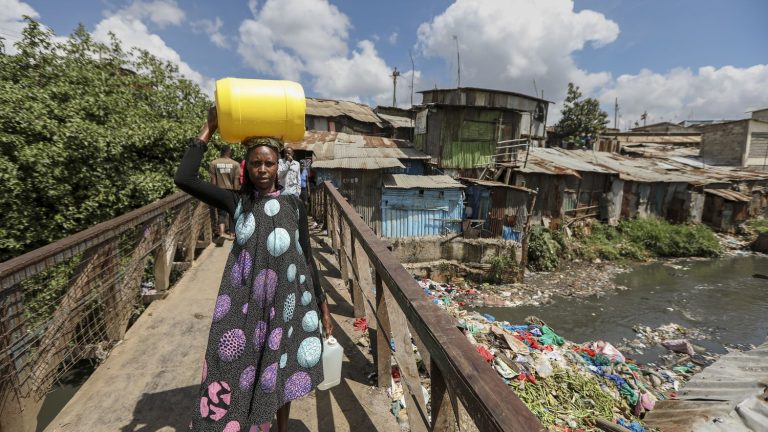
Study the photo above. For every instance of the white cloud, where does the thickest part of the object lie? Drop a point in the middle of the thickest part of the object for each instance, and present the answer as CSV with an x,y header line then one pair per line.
x,y
680,94
129,27
392,38
313,46
160,12
12,23
213,29
506,44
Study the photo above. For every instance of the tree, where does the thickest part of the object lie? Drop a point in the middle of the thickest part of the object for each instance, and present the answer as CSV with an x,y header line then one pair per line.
x,y
88,131
582,120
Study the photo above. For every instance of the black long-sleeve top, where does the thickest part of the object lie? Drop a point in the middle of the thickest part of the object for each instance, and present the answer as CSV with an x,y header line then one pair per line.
x,y
187,180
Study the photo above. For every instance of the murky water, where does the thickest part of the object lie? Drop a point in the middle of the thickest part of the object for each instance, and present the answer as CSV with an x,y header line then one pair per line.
x,y
61,394
720,295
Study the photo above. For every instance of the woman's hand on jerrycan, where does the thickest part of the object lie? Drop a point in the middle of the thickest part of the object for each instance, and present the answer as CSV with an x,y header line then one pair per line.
x,y
210,125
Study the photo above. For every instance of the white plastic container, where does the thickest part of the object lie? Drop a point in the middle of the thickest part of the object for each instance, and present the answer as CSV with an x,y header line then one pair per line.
x,y
332,356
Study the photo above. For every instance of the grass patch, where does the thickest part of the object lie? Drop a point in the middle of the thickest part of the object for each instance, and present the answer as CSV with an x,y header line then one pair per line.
x,y
641,239
760,226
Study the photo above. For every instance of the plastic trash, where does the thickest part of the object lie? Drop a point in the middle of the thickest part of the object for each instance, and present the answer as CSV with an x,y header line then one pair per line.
x,y
268,108
542,366
608,350
679,345
332,357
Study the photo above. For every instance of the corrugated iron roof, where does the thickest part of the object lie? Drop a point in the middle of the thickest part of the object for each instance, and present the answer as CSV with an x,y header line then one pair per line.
x,y
724,397
397,121
557,162
405,181
338,145
491,183
639,170
358,163
730,195
337,108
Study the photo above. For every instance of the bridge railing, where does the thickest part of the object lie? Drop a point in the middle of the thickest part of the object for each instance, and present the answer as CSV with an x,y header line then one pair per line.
x,y
73,299
385,293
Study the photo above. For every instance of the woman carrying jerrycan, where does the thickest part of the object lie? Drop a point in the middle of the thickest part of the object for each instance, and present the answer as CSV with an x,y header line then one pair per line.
x,y
265,344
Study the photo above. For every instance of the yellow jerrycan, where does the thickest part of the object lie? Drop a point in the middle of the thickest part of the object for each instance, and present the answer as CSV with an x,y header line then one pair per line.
x,y
265,108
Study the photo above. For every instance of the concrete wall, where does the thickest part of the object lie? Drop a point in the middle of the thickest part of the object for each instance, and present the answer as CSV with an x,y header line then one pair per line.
x,y
760,115
427,249
758,144
725,143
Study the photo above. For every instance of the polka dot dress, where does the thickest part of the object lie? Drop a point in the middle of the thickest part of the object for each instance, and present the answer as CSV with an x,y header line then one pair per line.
x,y
265,346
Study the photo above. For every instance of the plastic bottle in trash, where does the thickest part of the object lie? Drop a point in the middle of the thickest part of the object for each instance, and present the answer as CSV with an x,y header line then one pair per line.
x,y
332,356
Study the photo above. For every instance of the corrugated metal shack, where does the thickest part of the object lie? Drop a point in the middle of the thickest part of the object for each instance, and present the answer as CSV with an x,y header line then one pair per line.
x,y
725,209
356,164
329,115
567,186
460,128
420,206
612,187
399,122
502,208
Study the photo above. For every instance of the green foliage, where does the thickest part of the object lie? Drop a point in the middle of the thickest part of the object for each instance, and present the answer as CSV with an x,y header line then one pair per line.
x,y
641,239
504,266
43,291
760,226
582,118
88,131
543,250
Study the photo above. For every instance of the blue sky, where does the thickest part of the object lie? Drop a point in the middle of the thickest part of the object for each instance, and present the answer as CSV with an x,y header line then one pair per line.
x,y
676,59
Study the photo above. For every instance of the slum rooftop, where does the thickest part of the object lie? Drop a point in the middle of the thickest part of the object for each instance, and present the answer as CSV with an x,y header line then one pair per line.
x,y
405,181
342,150
675,169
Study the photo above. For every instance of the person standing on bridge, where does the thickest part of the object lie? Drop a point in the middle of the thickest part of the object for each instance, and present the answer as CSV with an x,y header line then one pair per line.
x,y
225,173
265,344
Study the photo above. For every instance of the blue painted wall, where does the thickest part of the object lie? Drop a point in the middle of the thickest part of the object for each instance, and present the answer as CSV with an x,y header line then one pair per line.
x,y
420,212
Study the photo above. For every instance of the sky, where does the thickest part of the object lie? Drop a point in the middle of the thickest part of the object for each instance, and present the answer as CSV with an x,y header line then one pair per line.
x,y
674,59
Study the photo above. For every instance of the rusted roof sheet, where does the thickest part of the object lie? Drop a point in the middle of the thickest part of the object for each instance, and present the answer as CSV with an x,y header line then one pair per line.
x,y
649,149
724,397
358,163
490,183
337,108
397,121
338,145
730,195
405,181
639,170
556,162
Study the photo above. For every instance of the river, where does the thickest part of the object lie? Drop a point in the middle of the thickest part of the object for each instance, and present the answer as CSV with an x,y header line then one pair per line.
x,y
720,295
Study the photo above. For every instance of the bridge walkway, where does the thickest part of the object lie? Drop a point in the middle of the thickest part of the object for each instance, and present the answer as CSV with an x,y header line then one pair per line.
x,y
149,381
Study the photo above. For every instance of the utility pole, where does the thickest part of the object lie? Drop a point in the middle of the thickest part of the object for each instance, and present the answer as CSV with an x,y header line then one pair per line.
x,y
413,72
616,113
644,117
395,74
458,61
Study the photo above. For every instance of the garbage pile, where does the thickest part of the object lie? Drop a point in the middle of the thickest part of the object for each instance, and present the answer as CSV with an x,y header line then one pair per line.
x,y
568,386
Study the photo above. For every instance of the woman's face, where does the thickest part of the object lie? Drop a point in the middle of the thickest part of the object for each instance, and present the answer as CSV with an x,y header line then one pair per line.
x,y
262,167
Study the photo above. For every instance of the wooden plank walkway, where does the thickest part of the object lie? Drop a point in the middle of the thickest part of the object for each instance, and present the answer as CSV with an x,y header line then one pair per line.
x,y
149,381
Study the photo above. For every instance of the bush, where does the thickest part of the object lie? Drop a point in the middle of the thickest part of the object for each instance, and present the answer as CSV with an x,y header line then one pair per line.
x,y
504,266
543,250
88,131
647,238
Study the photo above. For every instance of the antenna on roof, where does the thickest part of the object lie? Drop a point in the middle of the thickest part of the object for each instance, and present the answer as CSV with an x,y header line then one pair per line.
x,y
413,72
458,61
535,89
395,74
